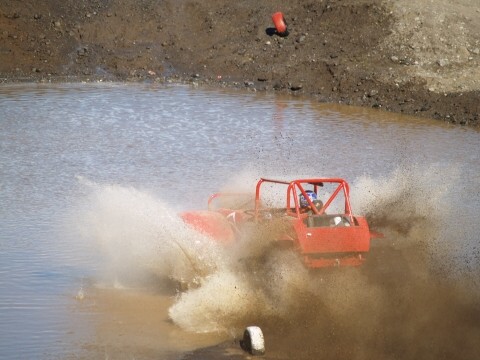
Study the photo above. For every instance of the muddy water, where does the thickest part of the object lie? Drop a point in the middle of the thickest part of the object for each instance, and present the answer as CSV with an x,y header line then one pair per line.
x,y
91,251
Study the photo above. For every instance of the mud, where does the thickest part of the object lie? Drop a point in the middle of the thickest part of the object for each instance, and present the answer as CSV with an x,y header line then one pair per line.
x,y
390,310
419,58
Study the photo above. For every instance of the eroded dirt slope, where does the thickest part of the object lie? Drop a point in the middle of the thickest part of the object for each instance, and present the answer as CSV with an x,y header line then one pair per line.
x,y
417,58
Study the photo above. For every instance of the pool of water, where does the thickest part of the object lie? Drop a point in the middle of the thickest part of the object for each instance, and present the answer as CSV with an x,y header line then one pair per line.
x,y
88,169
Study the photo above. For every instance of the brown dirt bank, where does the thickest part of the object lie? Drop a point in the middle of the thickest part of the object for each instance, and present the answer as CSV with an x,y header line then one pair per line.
x,y
419,58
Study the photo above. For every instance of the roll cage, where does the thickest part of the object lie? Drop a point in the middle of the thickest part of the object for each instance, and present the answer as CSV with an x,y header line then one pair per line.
x,y
297,187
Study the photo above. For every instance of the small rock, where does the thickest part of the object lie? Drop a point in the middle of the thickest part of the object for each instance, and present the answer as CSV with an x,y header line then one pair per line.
x,y
82,51
301,39
248,83
475,51
277,86
296,87
442,62
372,93
394,58
37,16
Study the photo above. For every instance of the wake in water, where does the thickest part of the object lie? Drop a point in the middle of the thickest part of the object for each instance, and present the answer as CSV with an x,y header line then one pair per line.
x,y
402,296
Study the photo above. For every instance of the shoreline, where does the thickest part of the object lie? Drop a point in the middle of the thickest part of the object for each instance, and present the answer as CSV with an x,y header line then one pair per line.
x,y
419,59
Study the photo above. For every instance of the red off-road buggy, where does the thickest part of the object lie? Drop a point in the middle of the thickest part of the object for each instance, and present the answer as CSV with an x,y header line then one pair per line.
x,y
324,230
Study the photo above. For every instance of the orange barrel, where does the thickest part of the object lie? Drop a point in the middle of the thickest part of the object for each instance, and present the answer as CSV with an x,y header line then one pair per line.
x,y
280,23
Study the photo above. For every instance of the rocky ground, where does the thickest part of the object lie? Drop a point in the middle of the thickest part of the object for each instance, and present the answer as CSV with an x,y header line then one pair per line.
x,y
419,58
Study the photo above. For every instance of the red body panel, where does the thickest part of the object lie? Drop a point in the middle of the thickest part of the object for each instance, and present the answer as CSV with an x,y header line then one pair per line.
x,y
210,223
334,239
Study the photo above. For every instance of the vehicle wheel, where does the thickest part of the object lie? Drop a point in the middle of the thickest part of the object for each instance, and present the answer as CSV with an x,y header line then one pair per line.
x,y
253,341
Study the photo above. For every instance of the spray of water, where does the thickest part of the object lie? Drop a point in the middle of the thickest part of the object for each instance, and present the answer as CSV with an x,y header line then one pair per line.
x,y
137,233
404,294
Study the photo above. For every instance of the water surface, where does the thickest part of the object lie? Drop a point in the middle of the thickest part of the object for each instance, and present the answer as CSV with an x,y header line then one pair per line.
x,y
154,149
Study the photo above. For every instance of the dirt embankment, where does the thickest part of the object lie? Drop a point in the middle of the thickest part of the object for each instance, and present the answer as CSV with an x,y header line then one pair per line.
x,y
420,58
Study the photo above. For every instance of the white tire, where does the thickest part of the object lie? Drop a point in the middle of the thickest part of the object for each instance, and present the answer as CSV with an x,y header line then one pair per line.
x,y
253,340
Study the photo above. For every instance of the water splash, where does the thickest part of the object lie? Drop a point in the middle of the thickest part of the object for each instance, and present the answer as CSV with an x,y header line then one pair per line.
x,y
389,302
136,233
423,209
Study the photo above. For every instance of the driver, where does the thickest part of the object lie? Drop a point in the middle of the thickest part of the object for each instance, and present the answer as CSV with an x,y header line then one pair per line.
x,y
305,206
